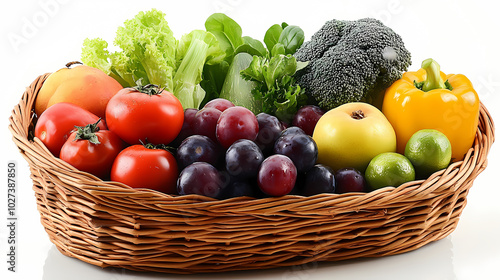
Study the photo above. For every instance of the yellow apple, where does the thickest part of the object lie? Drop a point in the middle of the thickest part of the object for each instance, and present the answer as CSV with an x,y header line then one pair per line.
x,y
350,135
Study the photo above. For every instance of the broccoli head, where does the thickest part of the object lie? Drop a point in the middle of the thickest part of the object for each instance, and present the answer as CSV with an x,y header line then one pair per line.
x,y
351,61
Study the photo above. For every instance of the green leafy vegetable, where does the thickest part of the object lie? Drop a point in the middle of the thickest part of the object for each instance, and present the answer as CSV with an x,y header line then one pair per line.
x,y
251,46
227,32
150,54
276,87
195,49
291,38
229,35
273,70
200,66
272,36
283,39
213,79
148,50
238,90
278,49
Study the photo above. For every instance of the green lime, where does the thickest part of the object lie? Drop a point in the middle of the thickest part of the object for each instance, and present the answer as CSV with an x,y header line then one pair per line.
x,y
389,169
428,150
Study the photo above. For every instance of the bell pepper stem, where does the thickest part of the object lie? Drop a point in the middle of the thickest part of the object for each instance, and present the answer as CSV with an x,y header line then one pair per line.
x,y
433,80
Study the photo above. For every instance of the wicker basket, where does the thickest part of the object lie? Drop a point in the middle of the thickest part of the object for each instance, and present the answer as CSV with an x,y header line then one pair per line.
x,y
111,224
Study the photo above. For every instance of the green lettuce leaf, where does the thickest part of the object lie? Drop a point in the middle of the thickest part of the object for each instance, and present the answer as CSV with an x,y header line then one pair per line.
x,y
148,52
276,88
196,49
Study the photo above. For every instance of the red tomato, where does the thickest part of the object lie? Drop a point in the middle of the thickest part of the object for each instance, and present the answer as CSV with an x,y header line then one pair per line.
x,y
141,167
93,157
146,114
57,122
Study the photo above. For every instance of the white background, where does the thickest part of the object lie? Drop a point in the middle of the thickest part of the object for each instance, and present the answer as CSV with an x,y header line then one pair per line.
x,y
41,36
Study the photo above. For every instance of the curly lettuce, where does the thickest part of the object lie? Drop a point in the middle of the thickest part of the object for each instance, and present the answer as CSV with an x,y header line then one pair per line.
x,y
276,87
150,54
148,50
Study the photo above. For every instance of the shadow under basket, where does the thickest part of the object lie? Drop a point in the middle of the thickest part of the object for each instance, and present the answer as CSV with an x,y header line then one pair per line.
x,y
109,224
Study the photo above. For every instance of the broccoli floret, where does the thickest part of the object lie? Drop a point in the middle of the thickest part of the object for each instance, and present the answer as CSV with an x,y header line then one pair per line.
x,y
351,61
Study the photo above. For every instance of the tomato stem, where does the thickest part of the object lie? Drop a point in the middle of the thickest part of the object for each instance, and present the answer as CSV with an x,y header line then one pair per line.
x,y
88,132
152,146
149,89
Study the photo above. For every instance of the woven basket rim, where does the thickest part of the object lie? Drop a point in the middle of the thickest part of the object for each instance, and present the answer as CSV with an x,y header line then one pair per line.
x,y
22,114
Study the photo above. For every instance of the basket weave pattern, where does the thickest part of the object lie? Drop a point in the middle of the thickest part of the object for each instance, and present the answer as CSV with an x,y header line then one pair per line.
x,y
110,224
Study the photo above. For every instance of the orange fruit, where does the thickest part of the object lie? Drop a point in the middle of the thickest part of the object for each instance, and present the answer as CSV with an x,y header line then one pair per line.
x,y
84,86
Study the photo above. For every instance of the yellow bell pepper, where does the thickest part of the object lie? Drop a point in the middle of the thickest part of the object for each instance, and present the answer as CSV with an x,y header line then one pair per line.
x,y
430,99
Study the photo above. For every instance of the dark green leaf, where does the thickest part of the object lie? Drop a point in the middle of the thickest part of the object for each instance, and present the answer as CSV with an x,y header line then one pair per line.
x,y
292,38
227,32
213,80
272,36
252,47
